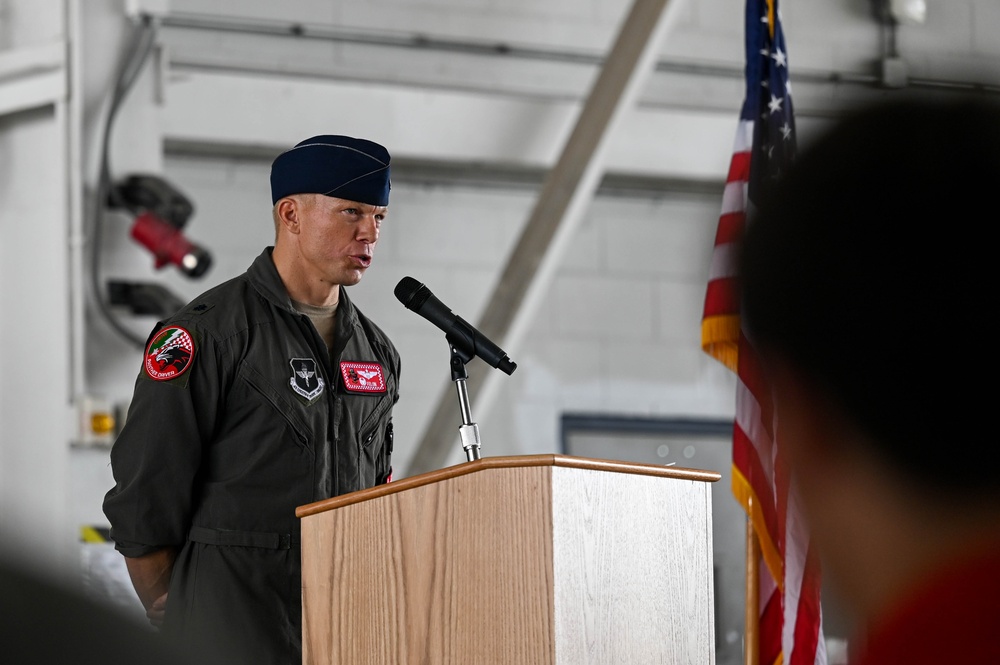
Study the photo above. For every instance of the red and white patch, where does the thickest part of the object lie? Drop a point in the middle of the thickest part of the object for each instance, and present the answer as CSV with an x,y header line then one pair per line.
x,y
169,354
363,377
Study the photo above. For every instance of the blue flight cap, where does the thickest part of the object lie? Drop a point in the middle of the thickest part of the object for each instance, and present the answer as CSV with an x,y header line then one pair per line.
x,y
340,166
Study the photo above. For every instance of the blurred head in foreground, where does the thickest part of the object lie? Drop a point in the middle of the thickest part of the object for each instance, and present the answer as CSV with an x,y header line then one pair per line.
x,y
867,274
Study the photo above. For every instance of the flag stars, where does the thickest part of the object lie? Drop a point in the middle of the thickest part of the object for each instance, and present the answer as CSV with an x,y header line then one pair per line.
x,y
768,112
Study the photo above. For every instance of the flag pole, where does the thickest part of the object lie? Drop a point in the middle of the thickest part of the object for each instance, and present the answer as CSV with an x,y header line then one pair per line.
x,y
751,638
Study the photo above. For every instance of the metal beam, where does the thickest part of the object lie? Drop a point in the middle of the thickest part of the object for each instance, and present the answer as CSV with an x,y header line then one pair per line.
x,y
32,77
565,195
381,39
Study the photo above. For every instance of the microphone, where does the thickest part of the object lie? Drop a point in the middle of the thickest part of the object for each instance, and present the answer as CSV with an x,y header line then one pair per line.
x,y
459,332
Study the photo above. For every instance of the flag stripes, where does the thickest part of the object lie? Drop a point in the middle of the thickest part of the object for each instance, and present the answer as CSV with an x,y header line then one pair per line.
x,y
790,615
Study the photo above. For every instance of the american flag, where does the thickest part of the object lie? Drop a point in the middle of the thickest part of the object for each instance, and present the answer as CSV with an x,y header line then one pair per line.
x,y
790,629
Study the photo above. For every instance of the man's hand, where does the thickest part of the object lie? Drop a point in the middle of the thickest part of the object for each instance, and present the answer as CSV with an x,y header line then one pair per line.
x,y
150,576
156,611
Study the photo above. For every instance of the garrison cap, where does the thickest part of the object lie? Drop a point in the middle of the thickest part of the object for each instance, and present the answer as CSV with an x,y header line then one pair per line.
x,y
340,166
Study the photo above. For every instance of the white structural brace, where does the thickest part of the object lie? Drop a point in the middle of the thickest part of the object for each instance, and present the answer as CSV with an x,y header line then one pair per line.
x,y
32,77
565,195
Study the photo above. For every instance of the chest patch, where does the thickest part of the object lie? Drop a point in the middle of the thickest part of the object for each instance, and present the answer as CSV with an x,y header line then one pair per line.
x,y
169,354
305,380
362,377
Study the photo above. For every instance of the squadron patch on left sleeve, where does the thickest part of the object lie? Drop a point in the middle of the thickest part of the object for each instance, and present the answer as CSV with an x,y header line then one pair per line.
x,y
362,377
169,354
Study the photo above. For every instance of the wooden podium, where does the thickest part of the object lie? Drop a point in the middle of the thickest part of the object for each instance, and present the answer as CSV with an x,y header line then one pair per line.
x,y
534,559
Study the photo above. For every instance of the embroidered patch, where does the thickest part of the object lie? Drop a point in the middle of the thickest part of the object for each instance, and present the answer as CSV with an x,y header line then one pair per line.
x,y
305,381
169,354
363,377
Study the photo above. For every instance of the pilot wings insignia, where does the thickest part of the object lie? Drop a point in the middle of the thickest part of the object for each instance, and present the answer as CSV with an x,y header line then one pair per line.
x,y
362,377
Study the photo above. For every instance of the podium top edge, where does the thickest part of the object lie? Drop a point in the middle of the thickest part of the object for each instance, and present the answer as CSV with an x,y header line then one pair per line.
x,y
613,466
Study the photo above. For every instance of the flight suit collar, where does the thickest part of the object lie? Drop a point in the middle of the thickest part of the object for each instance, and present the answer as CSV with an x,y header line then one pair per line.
x,y
265,278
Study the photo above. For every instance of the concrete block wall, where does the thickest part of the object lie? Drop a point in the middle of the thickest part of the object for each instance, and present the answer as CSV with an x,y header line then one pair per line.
x,y
617,331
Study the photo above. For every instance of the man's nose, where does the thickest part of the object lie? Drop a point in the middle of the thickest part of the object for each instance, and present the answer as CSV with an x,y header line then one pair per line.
x,y
368,229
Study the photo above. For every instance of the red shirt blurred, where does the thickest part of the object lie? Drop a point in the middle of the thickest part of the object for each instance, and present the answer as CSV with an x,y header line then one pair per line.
x,y
954,617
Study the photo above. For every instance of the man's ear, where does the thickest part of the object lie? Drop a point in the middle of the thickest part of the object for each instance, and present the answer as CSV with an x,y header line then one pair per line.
x,y
288,211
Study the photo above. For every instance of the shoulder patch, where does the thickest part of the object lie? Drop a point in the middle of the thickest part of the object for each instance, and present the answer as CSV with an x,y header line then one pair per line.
x,y
169,354
362,377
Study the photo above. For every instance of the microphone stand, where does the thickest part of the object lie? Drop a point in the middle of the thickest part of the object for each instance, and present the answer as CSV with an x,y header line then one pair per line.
x,y
469,430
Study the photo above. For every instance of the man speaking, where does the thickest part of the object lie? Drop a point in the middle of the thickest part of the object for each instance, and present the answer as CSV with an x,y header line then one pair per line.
x,y
267,392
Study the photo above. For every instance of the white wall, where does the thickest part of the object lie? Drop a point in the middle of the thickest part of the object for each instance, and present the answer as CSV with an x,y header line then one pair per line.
x,y
34,288
618,330
618,333
34,395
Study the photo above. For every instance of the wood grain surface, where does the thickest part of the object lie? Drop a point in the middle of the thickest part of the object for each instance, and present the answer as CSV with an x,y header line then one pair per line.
x,y
632,569
534,560
458,587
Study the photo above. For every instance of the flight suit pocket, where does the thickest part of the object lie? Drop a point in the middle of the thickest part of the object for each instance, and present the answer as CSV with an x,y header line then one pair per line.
x,y
286,409
368,431
375,441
